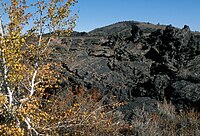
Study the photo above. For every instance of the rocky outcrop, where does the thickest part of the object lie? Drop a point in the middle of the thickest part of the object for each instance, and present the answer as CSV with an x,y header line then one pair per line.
x,y
162,64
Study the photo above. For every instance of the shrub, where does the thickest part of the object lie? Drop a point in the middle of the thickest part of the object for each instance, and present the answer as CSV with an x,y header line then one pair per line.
x,y
165,122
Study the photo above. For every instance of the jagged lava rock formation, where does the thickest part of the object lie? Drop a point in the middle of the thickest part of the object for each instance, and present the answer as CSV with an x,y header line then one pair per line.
x,y
136,62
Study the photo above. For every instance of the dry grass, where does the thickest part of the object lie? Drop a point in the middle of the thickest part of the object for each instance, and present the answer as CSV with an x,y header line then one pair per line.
x,y
166,122
86,114
82,113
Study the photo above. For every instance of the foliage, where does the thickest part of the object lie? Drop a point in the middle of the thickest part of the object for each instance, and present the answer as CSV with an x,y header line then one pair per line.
x,y
63,114
25,69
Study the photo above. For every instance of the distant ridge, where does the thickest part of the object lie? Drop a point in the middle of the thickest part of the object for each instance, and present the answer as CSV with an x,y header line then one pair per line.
x,y
124,28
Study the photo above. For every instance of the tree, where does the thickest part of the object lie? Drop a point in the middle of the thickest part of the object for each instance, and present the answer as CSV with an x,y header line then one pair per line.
x,y
25,69
27,32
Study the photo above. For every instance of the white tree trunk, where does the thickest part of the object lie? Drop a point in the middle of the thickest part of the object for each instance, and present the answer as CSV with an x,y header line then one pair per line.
x,y
1,28
33,83
5,69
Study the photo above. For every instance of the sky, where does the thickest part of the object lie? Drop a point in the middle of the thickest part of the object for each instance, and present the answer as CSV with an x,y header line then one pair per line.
x,y
97,13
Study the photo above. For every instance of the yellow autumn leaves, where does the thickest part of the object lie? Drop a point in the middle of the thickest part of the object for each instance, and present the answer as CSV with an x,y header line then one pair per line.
x,y
26,69
11,46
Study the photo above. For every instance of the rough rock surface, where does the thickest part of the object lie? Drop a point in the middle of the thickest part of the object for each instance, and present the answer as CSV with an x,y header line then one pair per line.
x,y
162,64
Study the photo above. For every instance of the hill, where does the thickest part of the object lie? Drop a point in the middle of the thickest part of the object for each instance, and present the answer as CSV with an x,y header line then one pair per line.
x,y
124,28
121,29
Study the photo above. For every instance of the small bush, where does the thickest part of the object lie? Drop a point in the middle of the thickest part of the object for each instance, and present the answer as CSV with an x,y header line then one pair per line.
x,y
66,114
166,122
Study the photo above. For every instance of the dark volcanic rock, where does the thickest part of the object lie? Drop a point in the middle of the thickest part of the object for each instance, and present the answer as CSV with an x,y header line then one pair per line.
x,y
191,72
185,92
164,63
174,52
140,103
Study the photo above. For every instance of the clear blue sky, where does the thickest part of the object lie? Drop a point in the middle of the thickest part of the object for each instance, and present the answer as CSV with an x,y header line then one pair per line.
x,y
97,13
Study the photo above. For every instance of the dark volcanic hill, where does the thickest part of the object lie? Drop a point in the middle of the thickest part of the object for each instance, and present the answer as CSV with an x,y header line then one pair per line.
x,y
124,28
136,62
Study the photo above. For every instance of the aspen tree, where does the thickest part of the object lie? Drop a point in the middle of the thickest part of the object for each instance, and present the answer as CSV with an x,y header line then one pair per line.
x,y
25,71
